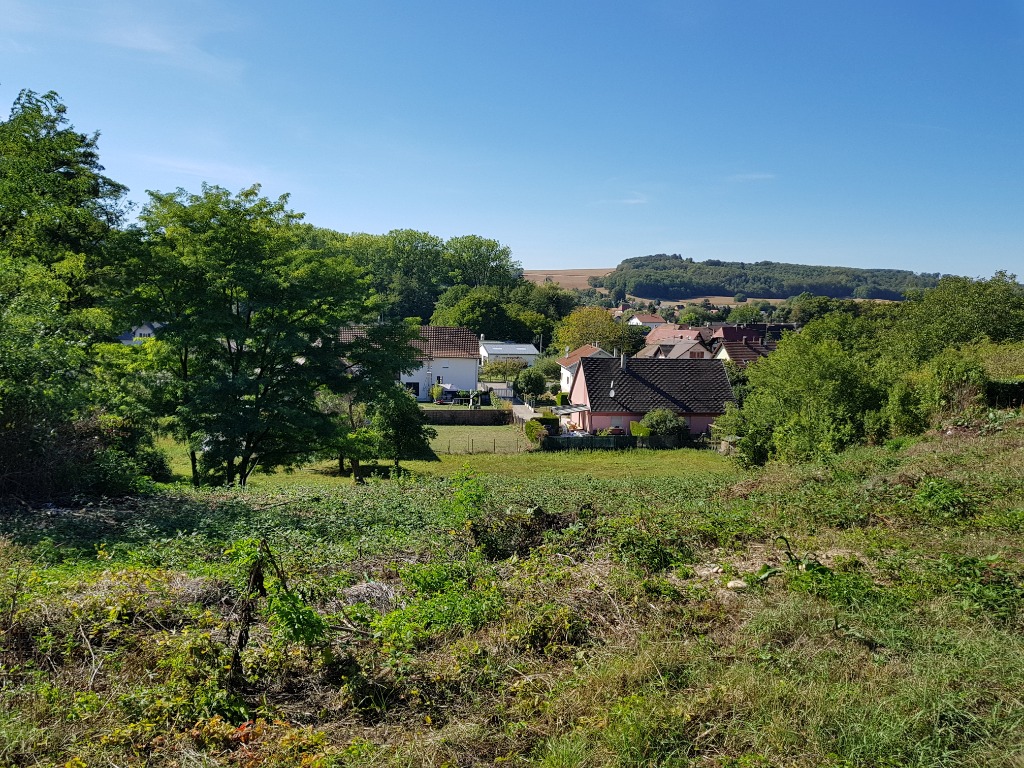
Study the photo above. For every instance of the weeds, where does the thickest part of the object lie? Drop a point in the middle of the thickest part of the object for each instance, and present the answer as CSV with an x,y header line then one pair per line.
x,y
532,619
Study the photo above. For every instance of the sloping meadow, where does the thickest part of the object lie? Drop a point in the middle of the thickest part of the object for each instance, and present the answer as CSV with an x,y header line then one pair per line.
x,y
863,612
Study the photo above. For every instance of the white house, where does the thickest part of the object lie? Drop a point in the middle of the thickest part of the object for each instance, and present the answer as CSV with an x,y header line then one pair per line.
x,y
493,351
647,320
447,355
140,333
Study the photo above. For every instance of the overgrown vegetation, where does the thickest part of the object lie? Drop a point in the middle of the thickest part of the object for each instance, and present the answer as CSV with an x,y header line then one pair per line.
x,y
862,611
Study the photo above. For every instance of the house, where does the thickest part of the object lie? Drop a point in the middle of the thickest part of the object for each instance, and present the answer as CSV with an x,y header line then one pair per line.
x,y
692,349
447,355
140,333
611,393
646,320
571,362
493,351
745,351
670,331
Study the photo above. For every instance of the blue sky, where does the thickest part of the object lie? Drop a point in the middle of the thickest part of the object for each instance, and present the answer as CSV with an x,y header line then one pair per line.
x,y
880,133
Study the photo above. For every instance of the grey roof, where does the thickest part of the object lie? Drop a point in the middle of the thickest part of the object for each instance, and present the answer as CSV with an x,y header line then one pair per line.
x,y
508,348
681,385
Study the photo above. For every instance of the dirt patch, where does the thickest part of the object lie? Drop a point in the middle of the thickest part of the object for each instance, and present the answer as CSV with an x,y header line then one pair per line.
x,y
567,278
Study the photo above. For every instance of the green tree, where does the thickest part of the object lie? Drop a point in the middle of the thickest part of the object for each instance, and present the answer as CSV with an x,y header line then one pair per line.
x,y
958,311
806,400
401,428
405,269
594,325
56,206
664,423
530,382
483,311
251,307
747,313
478,261
57,214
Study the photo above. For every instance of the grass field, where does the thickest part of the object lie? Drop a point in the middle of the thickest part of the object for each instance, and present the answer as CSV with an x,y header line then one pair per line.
x,y
553,610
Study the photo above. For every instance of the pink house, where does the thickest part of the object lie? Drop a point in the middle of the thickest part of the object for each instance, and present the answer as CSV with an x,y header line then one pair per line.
x,y
611,393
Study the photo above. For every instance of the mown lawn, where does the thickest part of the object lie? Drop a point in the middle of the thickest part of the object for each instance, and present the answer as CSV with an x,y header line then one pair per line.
x,y
604,609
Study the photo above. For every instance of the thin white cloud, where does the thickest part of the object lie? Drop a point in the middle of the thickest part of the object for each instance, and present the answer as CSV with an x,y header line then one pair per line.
x,y
171,36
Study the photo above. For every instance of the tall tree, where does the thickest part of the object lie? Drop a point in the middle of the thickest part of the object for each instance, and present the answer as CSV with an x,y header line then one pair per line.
x,y
251,306
405,269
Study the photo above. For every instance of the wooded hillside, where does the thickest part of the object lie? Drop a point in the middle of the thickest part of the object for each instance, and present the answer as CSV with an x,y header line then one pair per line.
x,y
673,278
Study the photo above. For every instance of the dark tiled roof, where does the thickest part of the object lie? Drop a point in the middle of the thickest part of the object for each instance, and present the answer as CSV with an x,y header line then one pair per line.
x,y
435,341
752,330
683,386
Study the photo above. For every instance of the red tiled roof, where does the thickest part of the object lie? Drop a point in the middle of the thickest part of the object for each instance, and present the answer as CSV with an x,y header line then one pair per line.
x,y
648,318
574,357
671,331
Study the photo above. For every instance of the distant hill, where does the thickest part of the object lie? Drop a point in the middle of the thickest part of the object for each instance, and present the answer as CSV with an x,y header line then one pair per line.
x,y
673,278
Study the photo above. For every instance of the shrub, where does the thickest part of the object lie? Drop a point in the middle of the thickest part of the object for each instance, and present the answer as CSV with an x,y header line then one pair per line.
x,y
534,430
661,422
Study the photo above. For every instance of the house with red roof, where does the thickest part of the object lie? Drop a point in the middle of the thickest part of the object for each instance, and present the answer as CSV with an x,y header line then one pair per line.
x,y
572,359
646,320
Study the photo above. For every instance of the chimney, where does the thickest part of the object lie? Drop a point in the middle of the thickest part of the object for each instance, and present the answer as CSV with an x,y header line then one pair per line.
x,y
481,337
622,361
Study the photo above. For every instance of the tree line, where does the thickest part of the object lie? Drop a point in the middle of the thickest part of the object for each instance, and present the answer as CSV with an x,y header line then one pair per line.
x,y
674,278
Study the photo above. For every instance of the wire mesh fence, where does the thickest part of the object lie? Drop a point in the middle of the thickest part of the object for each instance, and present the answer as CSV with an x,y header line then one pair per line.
x,y
470,445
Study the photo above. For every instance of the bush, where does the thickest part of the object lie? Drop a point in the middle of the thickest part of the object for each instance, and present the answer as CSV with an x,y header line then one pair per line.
x,y
662,422
534,430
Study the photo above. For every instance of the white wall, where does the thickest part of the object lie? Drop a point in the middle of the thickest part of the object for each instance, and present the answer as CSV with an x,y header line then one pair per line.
x,y
461,373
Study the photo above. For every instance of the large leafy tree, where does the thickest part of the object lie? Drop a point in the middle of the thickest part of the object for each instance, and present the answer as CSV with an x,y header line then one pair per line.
x,y
807,400
250,304
485,311
57,215
594,325
405,268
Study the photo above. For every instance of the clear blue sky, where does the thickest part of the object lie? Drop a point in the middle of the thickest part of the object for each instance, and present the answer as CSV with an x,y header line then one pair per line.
x,y
877,133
